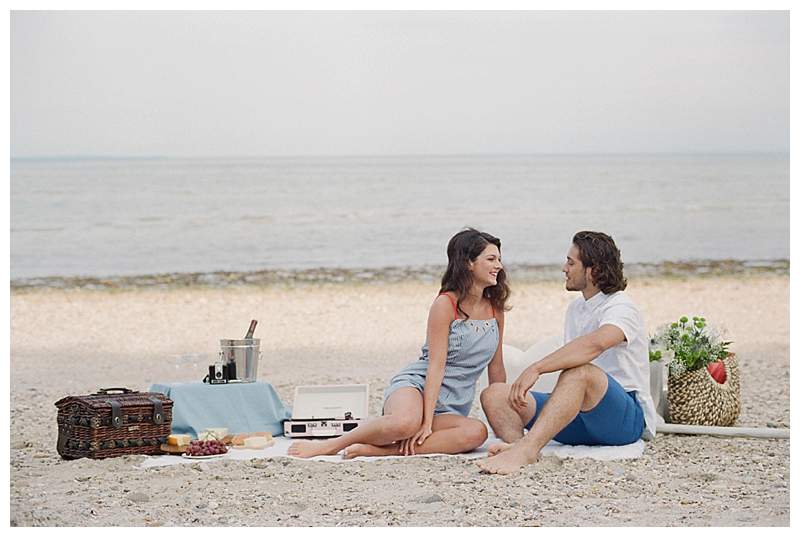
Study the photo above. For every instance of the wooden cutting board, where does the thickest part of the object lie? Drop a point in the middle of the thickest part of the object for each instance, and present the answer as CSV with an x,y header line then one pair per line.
x,y
237,440
173,450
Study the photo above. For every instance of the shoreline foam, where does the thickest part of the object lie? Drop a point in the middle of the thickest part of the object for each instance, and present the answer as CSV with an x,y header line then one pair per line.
x,y
393,274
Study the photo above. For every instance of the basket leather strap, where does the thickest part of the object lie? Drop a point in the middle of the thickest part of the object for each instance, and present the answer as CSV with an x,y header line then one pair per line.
x,y
116,413
158,410
63,434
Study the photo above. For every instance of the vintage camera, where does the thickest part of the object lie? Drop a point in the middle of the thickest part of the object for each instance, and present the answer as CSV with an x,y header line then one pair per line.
x,y
220,373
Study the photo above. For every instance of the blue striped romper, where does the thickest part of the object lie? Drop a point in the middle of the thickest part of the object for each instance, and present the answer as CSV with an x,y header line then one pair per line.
x,y
470,348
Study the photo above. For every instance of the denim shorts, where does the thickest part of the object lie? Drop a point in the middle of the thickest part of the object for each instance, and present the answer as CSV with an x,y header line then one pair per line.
x,y
615,421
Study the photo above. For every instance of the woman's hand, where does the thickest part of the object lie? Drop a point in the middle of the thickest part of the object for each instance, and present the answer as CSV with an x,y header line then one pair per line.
x,y
409,445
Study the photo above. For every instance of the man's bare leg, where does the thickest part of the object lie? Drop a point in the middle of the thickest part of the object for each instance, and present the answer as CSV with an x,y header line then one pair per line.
x,y
402,418
452,433
578,389
507,423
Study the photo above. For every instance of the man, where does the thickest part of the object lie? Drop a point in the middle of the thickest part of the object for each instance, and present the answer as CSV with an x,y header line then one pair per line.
x,y
602,396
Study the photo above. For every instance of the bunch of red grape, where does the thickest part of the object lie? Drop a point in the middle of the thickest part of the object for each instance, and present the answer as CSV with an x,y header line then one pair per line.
x,y
199,448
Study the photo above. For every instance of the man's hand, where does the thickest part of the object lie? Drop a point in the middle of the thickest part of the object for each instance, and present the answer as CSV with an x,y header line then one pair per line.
x,y
519,390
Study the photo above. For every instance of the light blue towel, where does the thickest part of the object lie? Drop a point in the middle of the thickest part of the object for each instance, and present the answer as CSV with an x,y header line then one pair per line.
x,y
242,408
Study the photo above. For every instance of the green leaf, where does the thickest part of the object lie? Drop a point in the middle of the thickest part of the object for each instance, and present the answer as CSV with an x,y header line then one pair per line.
x,y
692,345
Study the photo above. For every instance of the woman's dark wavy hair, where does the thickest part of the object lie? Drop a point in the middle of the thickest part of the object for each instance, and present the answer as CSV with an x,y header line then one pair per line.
x,y
598,251
466,246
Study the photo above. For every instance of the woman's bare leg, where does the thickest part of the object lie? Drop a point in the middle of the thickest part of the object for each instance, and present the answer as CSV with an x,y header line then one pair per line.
x,y
452,433
402,418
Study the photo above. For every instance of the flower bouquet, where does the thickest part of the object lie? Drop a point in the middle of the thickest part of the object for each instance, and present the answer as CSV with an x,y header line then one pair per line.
x,y
703,376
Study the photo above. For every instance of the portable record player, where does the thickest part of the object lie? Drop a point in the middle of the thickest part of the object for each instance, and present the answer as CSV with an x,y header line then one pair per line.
x,y
327,411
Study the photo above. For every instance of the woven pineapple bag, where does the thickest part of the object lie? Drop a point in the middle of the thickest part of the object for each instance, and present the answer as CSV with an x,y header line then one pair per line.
x,y
695,398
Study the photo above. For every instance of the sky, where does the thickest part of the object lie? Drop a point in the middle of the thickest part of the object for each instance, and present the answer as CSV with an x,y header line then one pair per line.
x,y
212,84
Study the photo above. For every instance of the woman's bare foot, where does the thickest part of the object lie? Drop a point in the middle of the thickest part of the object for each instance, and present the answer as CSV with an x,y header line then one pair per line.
x,y
311,448
368,450
508,461
494,449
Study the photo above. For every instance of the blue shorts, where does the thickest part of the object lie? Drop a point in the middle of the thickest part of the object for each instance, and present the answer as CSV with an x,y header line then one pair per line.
x,y
615,421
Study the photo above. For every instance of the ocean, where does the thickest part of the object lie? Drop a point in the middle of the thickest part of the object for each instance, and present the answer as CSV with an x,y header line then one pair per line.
x,y
122,217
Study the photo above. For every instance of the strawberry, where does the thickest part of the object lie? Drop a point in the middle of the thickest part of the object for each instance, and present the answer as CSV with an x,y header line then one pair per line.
x,y
717,371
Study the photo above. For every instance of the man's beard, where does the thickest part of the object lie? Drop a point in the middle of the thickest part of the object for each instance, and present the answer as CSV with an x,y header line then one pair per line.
x,y
573,287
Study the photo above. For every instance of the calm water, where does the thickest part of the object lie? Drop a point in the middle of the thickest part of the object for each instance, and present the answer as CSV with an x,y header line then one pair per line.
x,y
124,217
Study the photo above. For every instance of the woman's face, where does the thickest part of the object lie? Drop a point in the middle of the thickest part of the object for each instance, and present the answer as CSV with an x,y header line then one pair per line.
x,y
486,266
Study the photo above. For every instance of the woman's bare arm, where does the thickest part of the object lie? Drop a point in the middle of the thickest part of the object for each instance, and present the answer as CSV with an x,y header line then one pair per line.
x,y
439,319
497,369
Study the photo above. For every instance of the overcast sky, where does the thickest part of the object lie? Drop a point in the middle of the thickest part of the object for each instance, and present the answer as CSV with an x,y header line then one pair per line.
x,y
272,83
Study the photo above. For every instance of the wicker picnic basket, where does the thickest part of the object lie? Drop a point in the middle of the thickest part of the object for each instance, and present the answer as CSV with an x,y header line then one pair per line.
x,y
695,398
113,422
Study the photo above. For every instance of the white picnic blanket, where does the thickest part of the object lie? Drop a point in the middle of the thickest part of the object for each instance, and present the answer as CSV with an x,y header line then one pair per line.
x,y
515,361
281,445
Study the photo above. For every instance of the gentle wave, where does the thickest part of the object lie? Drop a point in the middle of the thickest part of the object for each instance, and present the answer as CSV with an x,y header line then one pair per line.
x,y
128,217
428,273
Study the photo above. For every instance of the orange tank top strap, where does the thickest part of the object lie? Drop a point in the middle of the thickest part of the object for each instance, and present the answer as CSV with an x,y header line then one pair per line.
x,y
453,302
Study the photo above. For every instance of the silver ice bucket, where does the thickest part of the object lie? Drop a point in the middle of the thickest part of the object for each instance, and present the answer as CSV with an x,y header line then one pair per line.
x,y
244,353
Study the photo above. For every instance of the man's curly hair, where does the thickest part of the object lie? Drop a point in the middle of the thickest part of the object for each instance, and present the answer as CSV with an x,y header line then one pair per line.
x,y
598,251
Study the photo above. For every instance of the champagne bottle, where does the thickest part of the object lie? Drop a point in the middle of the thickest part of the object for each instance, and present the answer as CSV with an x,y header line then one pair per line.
x,y
252,329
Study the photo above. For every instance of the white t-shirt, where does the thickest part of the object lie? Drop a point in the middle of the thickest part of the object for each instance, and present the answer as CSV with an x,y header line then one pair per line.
x,y
628,363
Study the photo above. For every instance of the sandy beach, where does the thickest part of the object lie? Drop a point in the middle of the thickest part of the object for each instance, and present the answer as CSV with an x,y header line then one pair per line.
x,y
73,341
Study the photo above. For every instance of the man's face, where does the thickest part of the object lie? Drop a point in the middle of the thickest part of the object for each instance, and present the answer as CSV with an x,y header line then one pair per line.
x,y
576,274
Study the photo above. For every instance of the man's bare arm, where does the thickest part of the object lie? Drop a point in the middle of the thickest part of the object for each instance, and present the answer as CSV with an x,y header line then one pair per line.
x,y
577,352
581,350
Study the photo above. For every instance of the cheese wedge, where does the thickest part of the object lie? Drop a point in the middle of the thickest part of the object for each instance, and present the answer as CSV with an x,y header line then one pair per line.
x,y
179,439
213,433
255,442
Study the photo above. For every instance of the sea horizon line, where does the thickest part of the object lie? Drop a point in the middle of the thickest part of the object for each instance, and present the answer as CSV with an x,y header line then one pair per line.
x,y
114,157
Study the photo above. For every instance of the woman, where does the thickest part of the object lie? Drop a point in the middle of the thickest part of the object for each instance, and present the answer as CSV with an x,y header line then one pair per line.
x,y
427,404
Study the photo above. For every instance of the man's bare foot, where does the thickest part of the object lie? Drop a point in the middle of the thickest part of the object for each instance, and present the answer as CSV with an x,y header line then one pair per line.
x,y
508,461
494,449
311,448
368,450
